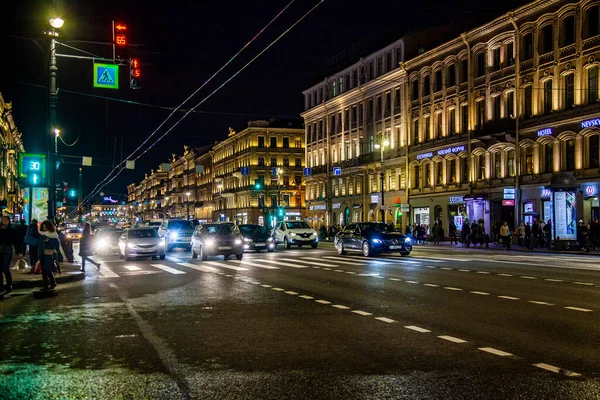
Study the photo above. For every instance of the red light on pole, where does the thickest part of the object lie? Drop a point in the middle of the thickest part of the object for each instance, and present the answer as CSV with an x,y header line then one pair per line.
x,y
135,73
119,34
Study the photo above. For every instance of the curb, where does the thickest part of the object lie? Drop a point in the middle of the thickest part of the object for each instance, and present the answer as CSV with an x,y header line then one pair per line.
x,y
532,252
67,278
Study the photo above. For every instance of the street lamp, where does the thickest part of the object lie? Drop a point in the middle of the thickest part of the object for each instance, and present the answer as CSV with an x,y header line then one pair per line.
x,y
188,205
385,143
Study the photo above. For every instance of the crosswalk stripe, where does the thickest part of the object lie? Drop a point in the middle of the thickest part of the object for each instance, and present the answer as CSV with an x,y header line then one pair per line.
x,y
198,267
223,265
336,261
390,260
308,262
252,264
107,272
132,268
362,259
284,264
168,269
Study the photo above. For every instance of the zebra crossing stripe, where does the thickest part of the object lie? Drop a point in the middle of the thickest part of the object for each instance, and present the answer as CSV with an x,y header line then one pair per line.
x,y
318,264
223,265
198,267
336,261
252,264
168,269
108,273
284,264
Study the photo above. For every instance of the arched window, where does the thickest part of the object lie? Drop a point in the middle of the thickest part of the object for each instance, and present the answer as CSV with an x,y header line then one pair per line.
x,y
427,175
481,167
464,169
511,163
451,166
416,181
549,157
528,160
593,151
570,155
497,165
439,173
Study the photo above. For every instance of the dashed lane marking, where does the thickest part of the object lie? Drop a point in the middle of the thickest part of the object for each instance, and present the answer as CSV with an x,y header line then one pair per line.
x,y
417,328
168,269
338,270
464,270
527,277
132,268
556,370
255,282
584,283
306,297
290,293
361,312
446,268
277,289
452,339
322,301
483,272
431,285
505,275
267,286
553,280
395,279
430,266
541,303
341,307
384,319
579,309
413,282
480,293
495,351
509,298
452,288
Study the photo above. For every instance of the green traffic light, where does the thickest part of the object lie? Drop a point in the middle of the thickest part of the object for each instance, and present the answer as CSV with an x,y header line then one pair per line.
x,y
72,193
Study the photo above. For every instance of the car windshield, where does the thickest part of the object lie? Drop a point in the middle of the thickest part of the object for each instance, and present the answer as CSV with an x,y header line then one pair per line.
x,y
253,230
180,225
154,223
142,233
74,231
297,225
217,228
381,227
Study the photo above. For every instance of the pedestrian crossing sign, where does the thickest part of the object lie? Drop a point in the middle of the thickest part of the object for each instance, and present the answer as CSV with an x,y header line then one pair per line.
x,y
106,76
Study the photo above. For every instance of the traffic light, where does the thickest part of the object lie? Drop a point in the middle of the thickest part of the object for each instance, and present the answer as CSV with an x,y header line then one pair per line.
x,y
280,212
120,34
72,193
135,73
257,184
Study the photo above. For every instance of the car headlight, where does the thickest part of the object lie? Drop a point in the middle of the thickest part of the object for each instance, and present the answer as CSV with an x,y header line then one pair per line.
x,y
209,242
238,241
173,235
247,240
378,241
131,245
101,243
270,239
315,233
407,240
293,234
162,242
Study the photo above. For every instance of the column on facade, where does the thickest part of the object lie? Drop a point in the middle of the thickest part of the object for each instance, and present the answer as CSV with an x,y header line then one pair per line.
x,y
556,150
579,152
536,158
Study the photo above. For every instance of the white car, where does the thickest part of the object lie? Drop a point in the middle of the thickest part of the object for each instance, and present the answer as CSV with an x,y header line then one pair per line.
x,y
295,233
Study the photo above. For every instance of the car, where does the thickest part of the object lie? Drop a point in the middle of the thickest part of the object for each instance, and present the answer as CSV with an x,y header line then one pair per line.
x,y
177,233
106,241
141,242
73,234
295,233
217,239
371,239
256,237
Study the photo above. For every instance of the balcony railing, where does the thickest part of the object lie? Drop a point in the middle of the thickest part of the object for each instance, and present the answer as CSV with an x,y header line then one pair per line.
x,y
546,58
526,65
568,51
591,42
451,90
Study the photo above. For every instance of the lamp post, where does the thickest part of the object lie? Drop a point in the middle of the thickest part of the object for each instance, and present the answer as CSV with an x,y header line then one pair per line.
x,y
382,146
188,206
55,23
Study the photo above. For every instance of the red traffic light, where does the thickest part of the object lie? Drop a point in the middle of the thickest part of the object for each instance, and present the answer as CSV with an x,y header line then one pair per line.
x,y
119,34
135,73
119,27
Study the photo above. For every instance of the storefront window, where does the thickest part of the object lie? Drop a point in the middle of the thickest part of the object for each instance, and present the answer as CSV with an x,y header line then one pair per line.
x,y
549,157
594,147
511,163
421,215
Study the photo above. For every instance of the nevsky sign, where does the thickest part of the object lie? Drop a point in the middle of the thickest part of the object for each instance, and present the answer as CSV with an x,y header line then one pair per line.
x,y
590,122
449,150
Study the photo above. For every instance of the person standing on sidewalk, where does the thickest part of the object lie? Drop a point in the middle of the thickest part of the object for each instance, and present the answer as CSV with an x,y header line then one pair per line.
x,y
535,234
86,249
505,235
20,233
7,242
525,235
34,233
548,232
47,249
452,232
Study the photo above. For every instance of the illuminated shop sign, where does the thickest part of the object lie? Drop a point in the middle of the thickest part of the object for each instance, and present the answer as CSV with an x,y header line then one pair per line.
x,y
374,199
544,132
509,193
455,200
451,150
318,207
336,205
546,193
590,122
424,155
590,190
509,203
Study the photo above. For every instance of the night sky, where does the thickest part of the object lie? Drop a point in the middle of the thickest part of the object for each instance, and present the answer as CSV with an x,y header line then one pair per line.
x,y
180,45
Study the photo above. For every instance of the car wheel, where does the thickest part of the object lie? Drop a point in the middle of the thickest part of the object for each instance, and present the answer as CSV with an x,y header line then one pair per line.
x,y
405,253
202,254
194,255
366,249
286,243
239,256
340,248
163,257
270,250
314,245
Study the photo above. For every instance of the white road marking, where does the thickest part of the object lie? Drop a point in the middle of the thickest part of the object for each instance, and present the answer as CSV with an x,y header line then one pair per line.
x,y
505,275
384,319
317,267
553,280
255,282
327,269
452,288
579,309
361,259
229,275
223,265
361,312
437,259
452,339
430,285
447,269
495,351
266,286
509,298
541,303
252,264
527,277
322,301
277,262
168,269
132,268
107,273
277,289
198,267
312,263
430,266
350,272
480,293
416,328
336,261
557,370
483,272
395,279
464,270
290,293
306,297
341,307
362,274
413,282
584,283
338,270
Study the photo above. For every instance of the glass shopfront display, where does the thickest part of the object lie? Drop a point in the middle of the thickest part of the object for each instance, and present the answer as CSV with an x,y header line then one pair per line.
x,y
421,215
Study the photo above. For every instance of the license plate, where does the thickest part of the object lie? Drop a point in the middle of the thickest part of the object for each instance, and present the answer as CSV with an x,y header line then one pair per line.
x,y
224,247
145,250
395,247
260,244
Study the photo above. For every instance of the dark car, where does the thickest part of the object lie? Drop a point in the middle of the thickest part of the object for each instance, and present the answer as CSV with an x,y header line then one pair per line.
x,y
256,237
217,239
372,238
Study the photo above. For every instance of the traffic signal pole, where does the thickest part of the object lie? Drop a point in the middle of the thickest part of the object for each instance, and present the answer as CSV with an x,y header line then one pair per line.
x,y
52,148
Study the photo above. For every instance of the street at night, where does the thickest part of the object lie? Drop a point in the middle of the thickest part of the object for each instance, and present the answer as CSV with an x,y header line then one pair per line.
x,y
441,323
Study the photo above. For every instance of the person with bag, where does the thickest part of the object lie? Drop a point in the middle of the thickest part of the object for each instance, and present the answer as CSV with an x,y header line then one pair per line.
x,y
47,249
505,235
86,249
7,242
32,239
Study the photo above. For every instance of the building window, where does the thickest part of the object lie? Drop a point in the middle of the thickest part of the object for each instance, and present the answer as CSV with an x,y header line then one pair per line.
x,y
480,114
511,163
464,169
261,141
398,55
371,144
362,77
370,109
397,101
348,155
273,161
546,39
426,85
528,101
549,157
548,96
415,90
298,143
261,161
341,85
417,177
480,64
592,85
481,167
286,143
388,103
464,71
297,162
427,128
379,66
427,176
333,88
452,167
273,141
510,53
451,75
527,47
439,176
568,31
510,105
354,78
594,148
497,165
438,80
464,120
286,162
415,131
371,70
591,24
528,153
496,103
378,107
569,91
452,121
496,59
438,126
388,61
570,155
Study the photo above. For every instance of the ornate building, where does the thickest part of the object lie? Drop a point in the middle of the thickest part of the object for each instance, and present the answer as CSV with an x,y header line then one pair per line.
x,y
11,146
476,126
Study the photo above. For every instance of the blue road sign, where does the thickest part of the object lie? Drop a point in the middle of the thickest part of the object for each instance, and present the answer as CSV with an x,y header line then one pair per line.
x,y
106,76
307,172
245,171
337,171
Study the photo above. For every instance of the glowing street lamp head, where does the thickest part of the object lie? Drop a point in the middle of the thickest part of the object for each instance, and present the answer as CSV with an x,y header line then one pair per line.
x,y
377,145
386,142
56,132
57,23
188,194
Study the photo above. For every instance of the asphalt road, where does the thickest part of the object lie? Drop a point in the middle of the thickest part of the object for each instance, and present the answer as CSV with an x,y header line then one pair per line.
x,y
309,324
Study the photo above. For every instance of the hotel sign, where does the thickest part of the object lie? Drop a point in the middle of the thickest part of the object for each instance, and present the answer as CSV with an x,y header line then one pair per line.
x,y
544,132
590,122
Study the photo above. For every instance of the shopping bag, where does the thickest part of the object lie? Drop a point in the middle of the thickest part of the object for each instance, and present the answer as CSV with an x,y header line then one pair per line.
x,y
38,268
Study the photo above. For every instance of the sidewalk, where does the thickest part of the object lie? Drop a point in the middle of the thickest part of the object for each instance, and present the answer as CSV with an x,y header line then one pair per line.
x,y
499,246
69,273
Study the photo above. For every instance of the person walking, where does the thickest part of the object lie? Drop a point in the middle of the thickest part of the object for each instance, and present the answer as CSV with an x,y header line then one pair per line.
x,y
436,233
86,247
452,232
535,234
465,233
47,249
33,235
483,237
505,235
495,232
525,235
20,233
7,243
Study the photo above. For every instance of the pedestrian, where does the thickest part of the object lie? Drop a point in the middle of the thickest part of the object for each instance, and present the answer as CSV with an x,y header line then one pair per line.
x,y
436,233
495,232
20,233
47,249
525,235
548,232
541,236
483,237
7,242
452,232
33,239
465,233
535,234
596,233
86,249
505,235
